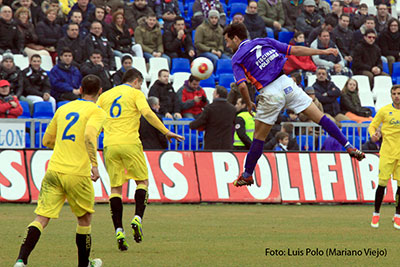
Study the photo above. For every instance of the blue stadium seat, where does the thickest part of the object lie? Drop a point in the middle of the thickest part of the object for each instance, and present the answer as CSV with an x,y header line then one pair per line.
x,y
385,67
285,37
37,137
100,141
27,140
43,110
60,103
238,8
395,72
350,130
190,11
225,80
26,113
224,66
270,32
304,145
181,8
210,82
193,35
225,8
372,109
180,65
237,1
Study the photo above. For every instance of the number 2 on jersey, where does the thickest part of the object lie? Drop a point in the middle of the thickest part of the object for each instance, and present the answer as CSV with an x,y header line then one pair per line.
x,y
115,105
75,117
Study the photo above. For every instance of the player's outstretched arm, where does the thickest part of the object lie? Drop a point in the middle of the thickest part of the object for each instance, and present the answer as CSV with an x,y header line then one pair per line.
x,y
171,135
307,51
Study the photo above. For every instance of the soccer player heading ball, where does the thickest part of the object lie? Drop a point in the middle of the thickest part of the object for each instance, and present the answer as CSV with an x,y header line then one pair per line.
x,y
261,61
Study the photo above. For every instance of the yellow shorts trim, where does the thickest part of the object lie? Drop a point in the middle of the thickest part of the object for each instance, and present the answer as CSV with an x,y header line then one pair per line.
x,y
124,162
388,168
56,187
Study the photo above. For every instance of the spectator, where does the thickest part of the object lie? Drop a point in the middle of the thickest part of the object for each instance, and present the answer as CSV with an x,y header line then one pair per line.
x,y
282,140
331,144
272,14
10,72
350,103
244,127
163,90
28,33
238,18
126,62
150,137
350,7
96,67
254,23
235,94
35,12
73,42
35,83
367,57
76,17
374,143
360,16
389,42
328,25
49,32
9,34
65,79
291,116
359,34
334,64
218,120
296,63
55,4
286,127
120,37
96,40
167,11
344,37
322,7
293,9
327,93
135,10
209,40
191,98
382,18
337,10
9,104
148,35
309,18
201,11
178,41
85,7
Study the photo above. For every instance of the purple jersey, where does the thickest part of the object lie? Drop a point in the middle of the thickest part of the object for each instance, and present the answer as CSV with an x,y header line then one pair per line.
x,y
260,60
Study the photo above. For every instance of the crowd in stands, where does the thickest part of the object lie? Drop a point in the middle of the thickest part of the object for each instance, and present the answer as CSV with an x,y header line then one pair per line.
x,y
87,37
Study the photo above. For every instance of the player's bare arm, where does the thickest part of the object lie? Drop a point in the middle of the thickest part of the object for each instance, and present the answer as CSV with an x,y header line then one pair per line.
x,y
91,148
307,51
49,140
170,135
246,98
152,118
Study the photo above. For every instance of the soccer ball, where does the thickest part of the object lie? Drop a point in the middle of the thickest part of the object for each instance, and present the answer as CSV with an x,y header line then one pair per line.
x,y
202,68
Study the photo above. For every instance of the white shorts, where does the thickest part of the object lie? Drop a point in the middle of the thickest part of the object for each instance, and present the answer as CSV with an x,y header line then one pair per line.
x,y
281,93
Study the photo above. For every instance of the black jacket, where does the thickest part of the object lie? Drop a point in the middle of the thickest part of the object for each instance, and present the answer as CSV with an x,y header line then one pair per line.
x,y
167,96
348,105
10,37
255,25
343,40
117,77
366,56
327,96
173,45
389,44
34,82
12,76
48,33
118,40
102,72
218,120
151,137
93,42
76,45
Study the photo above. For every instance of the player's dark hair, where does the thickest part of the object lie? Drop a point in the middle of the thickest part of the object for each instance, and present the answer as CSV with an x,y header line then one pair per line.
x,y
280,136
394,87
131,75
193,78
368,31
95,52
236,29
178,18
288,127
330,21
35,56
91,84
72,23
161,71
66,50
221,91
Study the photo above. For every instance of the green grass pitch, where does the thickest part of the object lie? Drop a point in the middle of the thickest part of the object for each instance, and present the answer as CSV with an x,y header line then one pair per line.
x,y
214,235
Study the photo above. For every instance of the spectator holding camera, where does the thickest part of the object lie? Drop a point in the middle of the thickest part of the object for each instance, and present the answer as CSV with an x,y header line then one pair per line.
x,y
192,98
350,103
9,105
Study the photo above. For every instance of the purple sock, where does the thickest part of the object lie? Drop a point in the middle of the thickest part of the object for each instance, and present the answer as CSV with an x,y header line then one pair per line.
x,y
252,157
333,130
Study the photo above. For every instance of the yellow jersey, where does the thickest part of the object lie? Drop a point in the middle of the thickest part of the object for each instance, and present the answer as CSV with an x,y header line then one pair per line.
x,y
124,106
68,126
390,119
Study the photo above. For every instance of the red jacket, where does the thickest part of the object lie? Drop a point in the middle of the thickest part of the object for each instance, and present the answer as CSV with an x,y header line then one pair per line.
x,y
295,63
186,95
7,111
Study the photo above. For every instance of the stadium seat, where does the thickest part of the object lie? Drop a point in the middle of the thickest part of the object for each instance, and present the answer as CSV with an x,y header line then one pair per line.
x,y
181,7
118,63
285,37
183,129
382,99
230,2
311,79
38,140
43,110
270,32
385,67
156,64
26,113
47,63
180,65
21,61
366,98
100,141
395,71
382,84
210,82
27,140
190,11
238,8
144,89
140,64
339,80
209,93
61,103
153,79
179,79
306,142
224,66
225,80
225,8
372,108
349,130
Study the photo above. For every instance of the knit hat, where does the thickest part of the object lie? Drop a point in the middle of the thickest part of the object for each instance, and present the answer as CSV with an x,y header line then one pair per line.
x,y
8,56
309,90
309,3
213,13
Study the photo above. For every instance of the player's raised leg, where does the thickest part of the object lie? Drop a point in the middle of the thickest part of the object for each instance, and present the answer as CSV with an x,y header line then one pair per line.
x,y
33,233
141,197
318,117
116,214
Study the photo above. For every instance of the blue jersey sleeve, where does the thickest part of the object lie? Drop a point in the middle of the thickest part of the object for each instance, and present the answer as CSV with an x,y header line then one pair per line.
x,y
238,73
